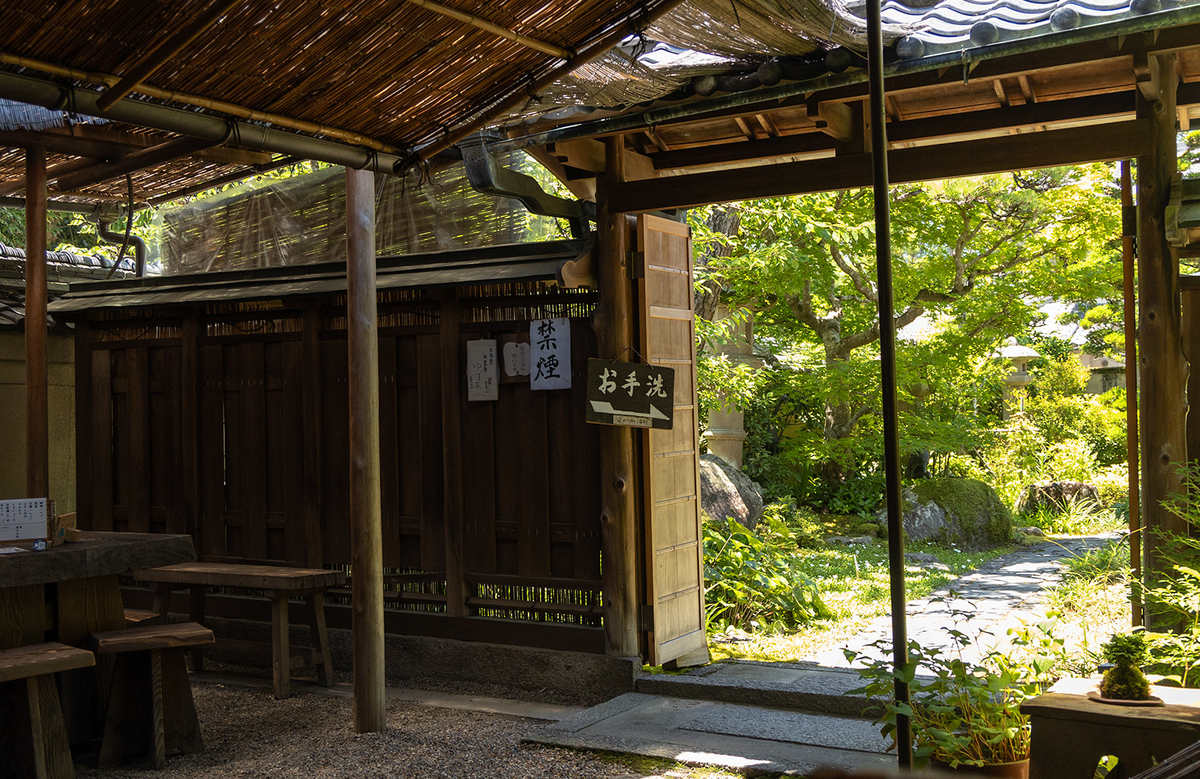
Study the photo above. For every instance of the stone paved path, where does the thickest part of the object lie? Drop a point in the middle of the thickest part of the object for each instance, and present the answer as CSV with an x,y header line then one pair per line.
x,y
996,596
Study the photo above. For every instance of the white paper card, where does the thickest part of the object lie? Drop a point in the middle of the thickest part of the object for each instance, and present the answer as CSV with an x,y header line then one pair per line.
x,y
23,519
516,359
550,354
482,375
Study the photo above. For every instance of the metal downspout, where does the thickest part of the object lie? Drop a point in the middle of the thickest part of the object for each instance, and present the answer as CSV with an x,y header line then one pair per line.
x,y
887,354
48,94
139,245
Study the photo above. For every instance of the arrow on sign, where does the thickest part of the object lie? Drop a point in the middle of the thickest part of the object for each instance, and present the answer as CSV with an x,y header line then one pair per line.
x,y
604,407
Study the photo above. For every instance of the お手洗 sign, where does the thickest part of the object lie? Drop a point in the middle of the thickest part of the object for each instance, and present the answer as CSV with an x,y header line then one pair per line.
x,y
630,394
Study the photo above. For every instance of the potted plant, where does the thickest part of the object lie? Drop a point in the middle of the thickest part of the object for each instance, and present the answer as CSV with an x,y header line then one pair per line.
x,y
963,712
1124,681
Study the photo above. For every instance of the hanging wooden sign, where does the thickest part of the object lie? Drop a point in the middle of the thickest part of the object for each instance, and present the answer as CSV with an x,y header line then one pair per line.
x,y
630,394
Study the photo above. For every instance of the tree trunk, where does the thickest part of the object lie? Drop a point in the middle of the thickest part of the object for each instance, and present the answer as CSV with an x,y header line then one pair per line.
x,y
726,221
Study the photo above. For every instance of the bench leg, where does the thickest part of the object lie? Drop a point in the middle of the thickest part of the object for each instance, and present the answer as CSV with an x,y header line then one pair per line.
x,y
33,736
280,651
320,637
181,726
125,723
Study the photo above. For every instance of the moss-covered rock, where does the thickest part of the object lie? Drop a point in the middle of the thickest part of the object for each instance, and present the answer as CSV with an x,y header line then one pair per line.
x,y
972,514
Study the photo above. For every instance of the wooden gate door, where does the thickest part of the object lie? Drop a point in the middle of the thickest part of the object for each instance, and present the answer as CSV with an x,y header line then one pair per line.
x,y
674,552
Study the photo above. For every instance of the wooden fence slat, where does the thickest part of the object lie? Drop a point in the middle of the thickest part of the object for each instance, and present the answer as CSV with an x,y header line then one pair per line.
x,y
293,442
389,453
479,485
533,521
429,401
102,443
335,451
83,426
137,394
313,435
212,541
254,449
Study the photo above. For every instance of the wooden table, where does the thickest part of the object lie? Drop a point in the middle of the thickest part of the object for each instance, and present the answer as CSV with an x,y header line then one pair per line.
x,y
68,592
277,583
1070,732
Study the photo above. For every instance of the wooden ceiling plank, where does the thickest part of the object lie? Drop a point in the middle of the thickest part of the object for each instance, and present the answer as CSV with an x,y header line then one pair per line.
x,y
143,158
1007,153
767,148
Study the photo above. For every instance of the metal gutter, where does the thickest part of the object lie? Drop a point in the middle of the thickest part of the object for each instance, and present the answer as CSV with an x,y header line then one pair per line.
x,y
48,94
964,59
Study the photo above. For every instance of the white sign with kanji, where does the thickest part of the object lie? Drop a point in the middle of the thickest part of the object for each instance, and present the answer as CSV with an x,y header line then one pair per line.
x,y
550,354
483,375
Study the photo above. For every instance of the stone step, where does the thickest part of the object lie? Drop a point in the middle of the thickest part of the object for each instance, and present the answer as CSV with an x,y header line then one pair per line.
x,y
749,739
799,687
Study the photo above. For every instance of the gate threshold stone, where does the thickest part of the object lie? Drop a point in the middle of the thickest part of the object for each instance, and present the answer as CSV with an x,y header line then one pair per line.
x,y
748,739
803,686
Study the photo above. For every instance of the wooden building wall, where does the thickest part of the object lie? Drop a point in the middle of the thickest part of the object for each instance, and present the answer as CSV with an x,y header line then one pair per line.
x,y
229,422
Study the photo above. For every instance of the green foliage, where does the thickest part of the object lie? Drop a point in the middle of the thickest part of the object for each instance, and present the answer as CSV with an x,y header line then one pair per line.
x,y
967,253
962,712
756,580
1125,680
1174,598
1112,483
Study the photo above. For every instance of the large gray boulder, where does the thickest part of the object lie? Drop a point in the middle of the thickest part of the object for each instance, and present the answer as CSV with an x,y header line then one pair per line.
x,y
1054,496
965,513
727,492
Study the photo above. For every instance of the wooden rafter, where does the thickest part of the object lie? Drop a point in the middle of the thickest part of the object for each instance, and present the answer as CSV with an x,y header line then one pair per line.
x,y
992,155
495,29
144,158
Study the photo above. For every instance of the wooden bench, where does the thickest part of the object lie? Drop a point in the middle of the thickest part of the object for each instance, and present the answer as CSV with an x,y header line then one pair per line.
x,y
277,583
31,720
150,707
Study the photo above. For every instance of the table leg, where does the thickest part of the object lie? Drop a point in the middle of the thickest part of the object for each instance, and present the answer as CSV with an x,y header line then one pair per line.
x,y
320,637
196,607
280,651
84,607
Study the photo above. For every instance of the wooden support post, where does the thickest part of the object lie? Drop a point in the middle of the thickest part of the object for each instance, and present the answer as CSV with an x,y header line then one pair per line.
x,y
1160,356
37,414
618,507
366,533
1128,237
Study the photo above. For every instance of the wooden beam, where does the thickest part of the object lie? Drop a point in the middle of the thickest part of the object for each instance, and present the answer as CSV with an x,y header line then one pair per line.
x,y
968,158
61,144
37,414
835,120
158,56
618,487
144,158
366,532
1015,117
802,143
1161,364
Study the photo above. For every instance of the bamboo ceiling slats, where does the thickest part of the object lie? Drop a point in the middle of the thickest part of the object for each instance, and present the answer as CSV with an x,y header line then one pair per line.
x,y
385,69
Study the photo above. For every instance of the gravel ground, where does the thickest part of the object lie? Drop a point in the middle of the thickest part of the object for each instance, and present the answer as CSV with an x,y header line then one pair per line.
x,y
250,734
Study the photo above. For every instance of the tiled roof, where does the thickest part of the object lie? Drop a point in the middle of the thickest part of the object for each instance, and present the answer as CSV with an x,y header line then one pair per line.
x,y
61,267
953,25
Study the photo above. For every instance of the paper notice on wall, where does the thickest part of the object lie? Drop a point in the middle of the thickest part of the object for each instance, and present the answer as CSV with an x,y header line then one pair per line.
x,y
516,358
24,518
482,371
550,354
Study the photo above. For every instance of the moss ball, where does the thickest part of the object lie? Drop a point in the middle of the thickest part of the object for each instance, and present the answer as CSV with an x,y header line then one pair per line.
x,y
1126,683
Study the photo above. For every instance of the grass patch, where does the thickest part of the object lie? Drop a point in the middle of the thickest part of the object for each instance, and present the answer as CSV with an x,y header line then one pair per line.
x,y
1093,602
1076,518
854,585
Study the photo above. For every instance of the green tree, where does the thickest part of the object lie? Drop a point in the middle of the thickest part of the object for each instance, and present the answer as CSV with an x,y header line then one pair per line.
x,y
972,256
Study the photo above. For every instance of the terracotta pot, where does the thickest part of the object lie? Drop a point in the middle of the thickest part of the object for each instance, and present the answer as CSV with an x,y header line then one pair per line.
x,y
1015,770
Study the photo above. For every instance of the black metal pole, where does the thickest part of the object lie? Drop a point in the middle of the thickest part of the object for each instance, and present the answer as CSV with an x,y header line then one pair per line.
x,y
887,354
